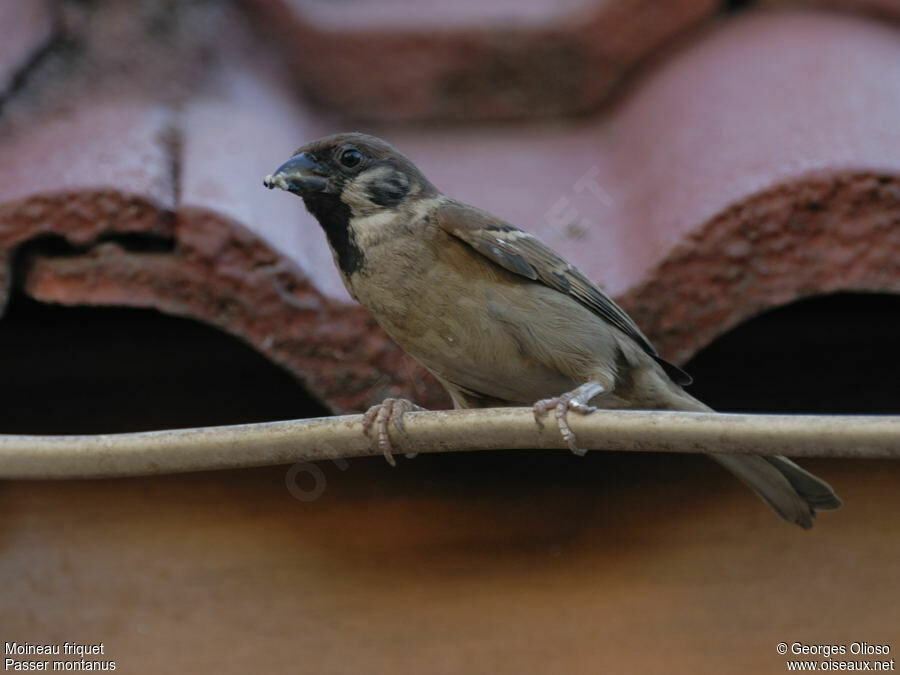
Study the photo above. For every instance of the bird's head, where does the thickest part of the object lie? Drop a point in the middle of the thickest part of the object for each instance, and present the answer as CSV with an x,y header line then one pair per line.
x,y
363,173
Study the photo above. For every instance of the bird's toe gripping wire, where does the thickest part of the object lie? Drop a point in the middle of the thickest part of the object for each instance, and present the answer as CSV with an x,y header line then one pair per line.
x,y
377,421
576,401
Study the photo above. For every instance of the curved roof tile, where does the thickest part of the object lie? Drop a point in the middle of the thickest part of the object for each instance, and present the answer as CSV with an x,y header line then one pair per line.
x,y
757,164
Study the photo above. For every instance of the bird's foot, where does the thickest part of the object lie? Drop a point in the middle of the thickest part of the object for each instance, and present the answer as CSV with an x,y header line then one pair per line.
x,y
378,419
576,401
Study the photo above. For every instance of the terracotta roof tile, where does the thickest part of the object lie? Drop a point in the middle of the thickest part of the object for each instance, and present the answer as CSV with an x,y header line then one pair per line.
x,y
225,251
774,139
89,171
268,273
234,137
425,15
25,27
754,165
403,61
688,159
882,8
94,145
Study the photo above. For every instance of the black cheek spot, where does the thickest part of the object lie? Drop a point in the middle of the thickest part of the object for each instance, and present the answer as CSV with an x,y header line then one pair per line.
x,y
389,192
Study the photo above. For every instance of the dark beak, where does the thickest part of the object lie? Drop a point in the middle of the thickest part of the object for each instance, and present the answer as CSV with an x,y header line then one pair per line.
x,y
301,174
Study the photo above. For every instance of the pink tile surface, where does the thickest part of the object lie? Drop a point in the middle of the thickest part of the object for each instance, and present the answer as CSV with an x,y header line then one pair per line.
x,y
747,106
93,144
884,8
767,97
407,15
97,168
245,127
756,163
25,26
432,61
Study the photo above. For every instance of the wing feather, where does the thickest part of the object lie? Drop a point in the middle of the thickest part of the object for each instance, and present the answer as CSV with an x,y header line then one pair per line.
x,y
521,253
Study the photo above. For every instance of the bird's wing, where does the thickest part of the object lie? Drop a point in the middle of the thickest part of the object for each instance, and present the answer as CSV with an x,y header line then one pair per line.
x,y
523,254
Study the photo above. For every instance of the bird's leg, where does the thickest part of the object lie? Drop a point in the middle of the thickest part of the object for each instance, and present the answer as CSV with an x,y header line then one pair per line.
x,y
575,400
379,418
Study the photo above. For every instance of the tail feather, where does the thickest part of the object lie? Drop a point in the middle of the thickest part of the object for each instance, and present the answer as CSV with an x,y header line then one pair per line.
x,y
771,485
813,489
794,493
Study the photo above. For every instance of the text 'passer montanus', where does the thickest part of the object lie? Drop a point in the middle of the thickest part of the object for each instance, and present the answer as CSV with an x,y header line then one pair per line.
x,y
498,317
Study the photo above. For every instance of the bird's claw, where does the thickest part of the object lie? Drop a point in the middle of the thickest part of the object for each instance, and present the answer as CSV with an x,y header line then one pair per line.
x,y
575,401
379,417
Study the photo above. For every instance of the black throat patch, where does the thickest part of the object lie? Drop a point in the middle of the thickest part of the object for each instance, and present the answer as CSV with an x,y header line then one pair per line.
x,y
334,217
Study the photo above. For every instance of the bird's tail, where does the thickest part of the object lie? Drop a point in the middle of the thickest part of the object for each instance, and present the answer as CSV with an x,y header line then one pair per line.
x,y
794,493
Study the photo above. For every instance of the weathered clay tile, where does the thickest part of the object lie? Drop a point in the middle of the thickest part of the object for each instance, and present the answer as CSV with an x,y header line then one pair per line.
x,y
491,60
880,8
25,28
773,136
760,156
239,257
264,253
98,168
755,165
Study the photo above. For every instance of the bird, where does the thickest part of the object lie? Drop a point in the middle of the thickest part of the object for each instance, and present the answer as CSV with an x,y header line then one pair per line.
x,y
497,316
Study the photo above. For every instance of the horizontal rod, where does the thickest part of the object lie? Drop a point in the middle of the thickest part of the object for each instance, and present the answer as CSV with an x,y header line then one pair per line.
x,y
248,445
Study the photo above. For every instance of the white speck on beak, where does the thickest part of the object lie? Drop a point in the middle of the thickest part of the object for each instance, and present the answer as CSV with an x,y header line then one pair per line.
x,y
273,182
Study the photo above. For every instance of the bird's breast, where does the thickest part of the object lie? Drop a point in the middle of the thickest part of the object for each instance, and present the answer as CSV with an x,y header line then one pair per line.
x,y
439,301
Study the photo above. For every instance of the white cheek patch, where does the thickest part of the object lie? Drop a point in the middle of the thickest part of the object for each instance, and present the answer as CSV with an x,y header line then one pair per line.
x,y
375,221
424,206
369,230
377,226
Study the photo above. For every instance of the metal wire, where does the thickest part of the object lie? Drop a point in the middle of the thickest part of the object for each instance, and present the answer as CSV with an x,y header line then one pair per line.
x,y
182,450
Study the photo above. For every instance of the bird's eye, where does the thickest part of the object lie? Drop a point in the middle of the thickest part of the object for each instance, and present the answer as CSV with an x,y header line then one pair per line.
x,y
351,158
